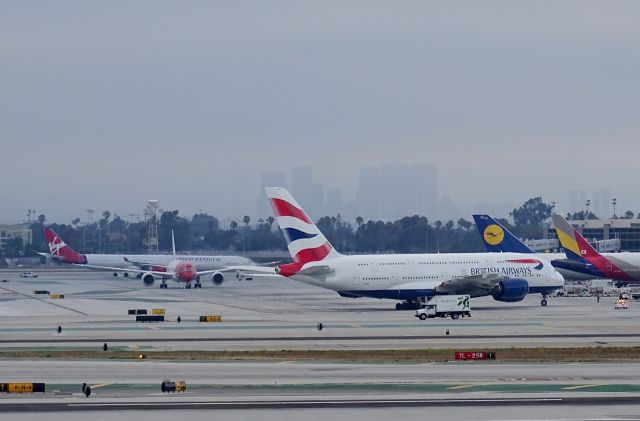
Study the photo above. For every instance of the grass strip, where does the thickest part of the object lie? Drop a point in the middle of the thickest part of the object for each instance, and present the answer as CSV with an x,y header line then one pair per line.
x,y
569,354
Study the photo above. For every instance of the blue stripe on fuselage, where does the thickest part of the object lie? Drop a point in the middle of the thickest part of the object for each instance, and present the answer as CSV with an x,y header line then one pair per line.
x,y
579,266
393,294
410,294
545,290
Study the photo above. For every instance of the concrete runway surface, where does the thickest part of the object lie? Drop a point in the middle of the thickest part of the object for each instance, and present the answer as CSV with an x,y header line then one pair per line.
x,y
282,314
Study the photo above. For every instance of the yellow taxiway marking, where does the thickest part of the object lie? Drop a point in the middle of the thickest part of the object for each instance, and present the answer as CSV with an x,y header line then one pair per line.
x,y
95,386
354,325
582,386
464,386
133,347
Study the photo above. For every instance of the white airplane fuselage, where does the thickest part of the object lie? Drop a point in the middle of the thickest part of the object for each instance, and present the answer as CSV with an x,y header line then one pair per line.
x,y
123,261
411,276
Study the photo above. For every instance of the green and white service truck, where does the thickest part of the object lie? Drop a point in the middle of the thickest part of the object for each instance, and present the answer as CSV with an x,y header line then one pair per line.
x,y
445,306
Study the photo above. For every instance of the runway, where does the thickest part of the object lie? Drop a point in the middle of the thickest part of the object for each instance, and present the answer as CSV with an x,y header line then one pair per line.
x,y
89,405
281,314
270,313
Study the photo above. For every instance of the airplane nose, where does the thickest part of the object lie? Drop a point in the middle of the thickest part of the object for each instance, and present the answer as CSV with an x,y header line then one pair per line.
x,y
558,277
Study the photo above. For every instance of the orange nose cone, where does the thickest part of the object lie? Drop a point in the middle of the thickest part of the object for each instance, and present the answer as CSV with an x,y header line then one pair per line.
x,y
186,272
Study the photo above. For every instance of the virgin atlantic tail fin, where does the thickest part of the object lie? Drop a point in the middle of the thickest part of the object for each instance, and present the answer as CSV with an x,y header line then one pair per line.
x,y
60,251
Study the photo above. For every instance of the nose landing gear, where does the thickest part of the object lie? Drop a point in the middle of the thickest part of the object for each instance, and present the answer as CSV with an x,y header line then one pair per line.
x,y
543,302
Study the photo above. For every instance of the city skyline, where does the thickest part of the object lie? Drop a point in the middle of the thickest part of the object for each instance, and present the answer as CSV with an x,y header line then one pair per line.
x,y
328,200
509,101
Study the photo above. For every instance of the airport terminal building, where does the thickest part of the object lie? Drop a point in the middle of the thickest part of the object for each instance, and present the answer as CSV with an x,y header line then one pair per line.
x,y
627,231
9,232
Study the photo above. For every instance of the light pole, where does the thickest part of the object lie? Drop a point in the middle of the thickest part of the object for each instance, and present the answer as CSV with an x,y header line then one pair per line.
x,y
586,215
614,202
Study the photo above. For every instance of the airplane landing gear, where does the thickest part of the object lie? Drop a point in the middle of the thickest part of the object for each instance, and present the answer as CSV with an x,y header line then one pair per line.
x,y
126,274
543,303
163,284
409,305
115,274
188,285
198,284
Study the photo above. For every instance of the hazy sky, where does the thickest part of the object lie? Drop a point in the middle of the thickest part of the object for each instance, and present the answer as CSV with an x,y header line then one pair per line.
x,y
105,104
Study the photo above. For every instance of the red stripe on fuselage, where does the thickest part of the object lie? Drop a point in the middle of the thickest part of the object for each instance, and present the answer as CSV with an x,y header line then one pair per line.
x,y
282,208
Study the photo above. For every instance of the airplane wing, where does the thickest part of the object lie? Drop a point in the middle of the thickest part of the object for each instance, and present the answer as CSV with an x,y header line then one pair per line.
x,y
243,272
145,265
108,268
483,282
316,270
53,257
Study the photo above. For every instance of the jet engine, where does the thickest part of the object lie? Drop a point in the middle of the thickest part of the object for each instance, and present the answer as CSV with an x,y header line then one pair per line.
x,y
148,279
217,278
511,290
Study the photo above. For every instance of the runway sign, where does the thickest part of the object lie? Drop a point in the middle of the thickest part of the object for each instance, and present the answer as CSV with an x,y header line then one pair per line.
x,y
22,387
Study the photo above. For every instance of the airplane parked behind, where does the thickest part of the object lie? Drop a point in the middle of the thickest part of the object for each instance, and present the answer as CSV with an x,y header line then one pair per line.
x,y
498,239
147,266
624,267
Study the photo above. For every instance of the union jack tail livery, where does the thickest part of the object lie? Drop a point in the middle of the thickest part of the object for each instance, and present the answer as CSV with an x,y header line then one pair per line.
x,y
60,250
305,241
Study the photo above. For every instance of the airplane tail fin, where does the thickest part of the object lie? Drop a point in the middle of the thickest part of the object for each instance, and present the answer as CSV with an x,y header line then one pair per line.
x,y
579,250
305,241
497,238
574,244
60,250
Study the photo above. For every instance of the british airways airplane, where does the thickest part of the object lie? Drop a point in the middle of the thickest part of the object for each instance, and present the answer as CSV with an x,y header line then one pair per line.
x,y
409,278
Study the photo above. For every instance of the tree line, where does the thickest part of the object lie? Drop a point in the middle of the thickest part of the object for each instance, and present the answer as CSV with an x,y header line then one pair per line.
x,y
411,234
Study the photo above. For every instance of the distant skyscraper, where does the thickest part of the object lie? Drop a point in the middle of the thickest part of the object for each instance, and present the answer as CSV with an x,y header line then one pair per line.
x,y
394,191
577,201
310,195
602,203
334,202
274,179
368,193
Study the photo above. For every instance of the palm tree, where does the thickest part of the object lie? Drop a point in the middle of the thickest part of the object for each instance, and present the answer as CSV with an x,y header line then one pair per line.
x,y
246,221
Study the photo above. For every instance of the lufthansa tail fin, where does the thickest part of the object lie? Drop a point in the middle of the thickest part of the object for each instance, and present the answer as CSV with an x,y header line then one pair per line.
x,y
60,251
496,238
304,240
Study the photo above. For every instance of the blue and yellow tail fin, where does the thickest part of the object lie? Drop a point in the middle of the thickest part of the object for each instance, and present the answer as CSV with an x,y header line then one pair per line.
x,y
496,238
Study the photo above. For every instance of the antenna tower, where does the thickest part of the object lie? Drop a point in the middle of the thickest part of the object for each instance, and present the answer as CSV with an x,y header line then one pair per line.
x,y
151,218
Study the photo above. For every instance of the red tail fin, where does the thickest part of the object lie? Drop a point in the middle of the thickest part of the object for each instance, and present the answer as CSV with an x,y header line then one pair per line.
x,y
60,251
